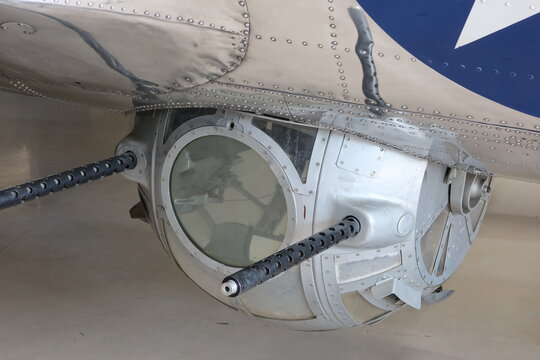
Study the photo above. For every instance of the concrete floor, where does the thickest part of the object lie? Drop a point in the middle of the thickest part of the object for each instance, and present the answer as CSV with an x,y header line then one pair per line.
x,y
80,280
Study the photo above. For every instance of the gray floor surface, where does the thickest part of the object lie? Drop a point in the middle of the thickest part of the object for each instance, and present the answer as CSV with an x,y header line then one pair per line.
x,y
79,279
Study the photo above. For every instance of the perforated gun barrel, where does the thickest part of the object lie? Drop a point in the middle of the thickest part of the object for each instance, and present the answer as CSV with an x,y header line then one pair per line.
x,y
283,260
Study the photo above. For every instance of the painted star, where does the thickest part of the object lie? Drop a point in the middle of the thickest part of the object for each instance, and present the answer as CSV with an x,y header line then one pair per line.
x,y
489,16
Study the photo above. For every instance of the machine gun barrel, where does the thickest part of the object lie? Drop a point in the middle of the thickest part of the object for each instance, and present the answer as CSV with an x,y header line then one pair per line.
x,y
65,180
263,270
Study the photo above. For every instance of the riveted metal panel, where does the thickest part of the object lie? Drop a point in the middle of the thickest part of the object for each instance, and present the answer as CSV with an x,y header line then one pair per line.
x,y
79,48
360,159
314,62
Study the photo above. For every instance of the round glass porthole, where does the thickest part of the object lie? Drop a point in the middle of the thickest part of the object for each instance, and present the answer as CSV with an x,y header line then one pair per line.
x,y
228,201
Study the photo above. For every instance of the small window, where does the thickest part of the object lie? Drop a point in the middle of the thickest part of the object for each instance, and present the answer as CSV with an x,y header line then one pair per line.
x,y
296,141
181,116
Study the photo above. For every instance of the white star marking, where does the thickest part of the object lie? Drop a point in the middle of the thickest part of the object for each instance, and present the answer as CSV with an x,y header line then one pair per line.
x,y
489,16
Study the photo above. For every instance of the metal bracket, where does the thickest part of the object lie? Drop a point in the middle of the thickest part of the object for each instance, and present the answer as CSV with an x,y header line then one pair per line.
x,y
404,292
